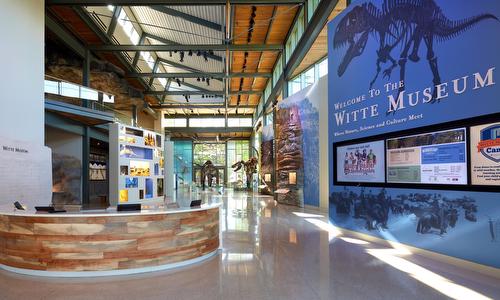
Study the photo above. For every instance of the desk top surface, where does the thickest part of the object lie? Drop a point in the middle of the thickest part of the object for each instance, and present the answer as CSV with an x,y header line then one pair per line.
x,y
147,209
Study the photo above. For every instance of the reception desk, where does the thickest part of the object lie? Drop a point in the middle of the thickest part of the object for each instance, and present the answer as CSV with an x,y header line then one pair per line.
x,y
107,242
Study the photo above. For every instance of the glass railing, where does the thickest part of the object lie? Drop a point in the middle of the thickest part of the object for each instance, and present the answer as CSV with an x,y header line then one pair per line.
x,y
78,95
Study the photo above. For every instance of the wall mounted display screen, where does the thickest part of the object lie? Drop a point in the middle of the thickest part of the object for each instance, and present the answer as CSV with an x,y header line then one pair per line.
x,y
432,158
135,152
485,154
361,162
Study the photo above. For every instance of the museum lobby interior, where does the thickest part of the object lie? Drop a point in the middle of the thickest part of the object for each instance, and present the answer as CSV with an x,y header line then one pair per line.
x,y
250,149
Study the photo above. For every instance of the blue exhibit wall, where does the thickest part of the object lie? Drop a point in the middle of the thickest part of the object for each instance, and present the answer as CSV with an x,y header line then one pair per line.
x,y
430,78
298,147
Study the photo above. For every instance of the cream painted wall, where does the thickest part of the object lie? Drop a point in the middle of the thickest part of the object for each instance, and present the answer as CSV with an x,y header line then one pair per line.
x,y
22,51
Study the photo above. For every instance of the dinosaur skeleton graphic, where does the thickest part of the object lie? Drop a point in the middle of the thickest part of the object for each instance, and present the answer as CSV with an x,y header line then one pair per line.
x,y
400,22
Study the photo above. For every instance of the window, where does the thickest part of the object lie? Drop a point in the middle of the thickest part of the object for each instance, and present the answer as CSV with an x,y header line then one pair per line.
x,y
183,161
128,27
88,94
295,85
148,58
163,81
70,90
308,77
237,151
323,68
51,87
239,122
207,122
215,152
175,122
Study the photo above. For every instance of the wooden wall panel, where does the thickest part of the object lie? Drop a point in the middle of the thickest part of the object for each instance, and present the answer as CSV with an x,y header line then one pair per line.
x,y
106,243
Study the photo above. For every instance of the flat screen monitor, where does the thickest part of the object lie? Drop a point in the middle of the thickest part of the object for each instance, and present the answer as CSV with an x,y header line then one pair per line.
x,y
195,203
129,207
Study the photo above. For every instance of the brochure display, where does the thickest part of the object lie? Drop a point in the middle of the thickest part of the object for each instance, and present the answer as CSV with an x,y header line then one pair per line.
x,y
136,165
436,157
485,154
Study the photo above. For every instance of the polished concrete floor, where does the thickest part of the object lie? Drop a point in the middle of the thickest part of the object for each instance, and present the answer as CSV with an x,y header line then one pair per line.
x,y
270,251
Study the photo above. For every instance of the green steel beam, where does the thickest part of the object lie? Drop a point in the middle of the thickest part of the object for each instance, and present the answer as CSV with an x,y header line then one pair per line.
x,y
170,42
105,38
208,129
311,32
200,75
206,47
207,92
66,37
170,2
220,106
114,21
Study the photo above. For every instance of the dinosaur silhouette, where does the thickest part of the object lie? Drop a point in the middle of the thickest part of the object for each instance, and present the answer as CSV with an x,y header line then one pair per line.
x,y
399,22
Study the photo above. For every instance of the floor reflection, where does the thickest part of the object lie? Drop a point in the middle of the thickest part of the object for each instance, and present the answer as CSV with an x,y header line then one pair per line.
x,y
271,251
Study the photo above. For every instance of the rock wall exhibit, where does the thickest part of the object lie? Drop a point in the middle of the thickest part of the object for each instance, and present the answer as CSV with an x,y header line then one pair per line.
x,y
66,180
414,125
267,155
63,64
297,149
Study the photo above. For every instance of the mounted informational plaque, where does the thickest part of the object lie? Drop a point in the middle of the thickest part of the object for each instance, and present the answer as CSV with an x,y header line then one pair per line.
x,y
26,173
485,154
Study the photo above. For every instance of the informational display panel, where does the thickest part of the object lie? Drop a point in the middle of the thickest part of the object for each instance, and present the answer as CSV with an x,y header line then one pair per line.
x,y
485,154
137,165
361,162
435,158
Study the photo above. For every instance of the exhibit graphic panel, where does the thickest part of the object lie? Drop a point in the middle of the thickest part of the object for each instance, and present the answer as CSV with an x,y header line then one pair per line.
x,y
462,224
297,148
26,170
136,165
433,70
376,87
485,154
361,162
434,158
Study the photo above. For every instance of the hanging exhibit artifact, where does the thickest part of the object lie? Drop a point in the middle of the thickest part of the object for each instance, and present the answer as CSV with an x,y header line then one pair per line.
x,y
250,167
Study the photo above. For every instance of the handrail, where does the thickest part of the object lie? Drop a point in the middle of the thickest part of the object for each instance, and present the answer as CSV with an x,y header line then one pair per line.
x,y
62,80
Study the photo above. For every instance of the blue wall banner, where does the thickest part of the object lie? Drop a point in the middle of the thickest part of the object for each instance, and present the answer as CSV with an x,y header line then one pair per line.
x,y
390,71
399,65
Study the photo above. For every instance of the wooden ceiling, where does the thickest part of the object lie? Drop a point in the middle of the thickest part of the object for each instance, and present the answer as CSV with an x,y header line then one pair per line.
x,y
259,24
